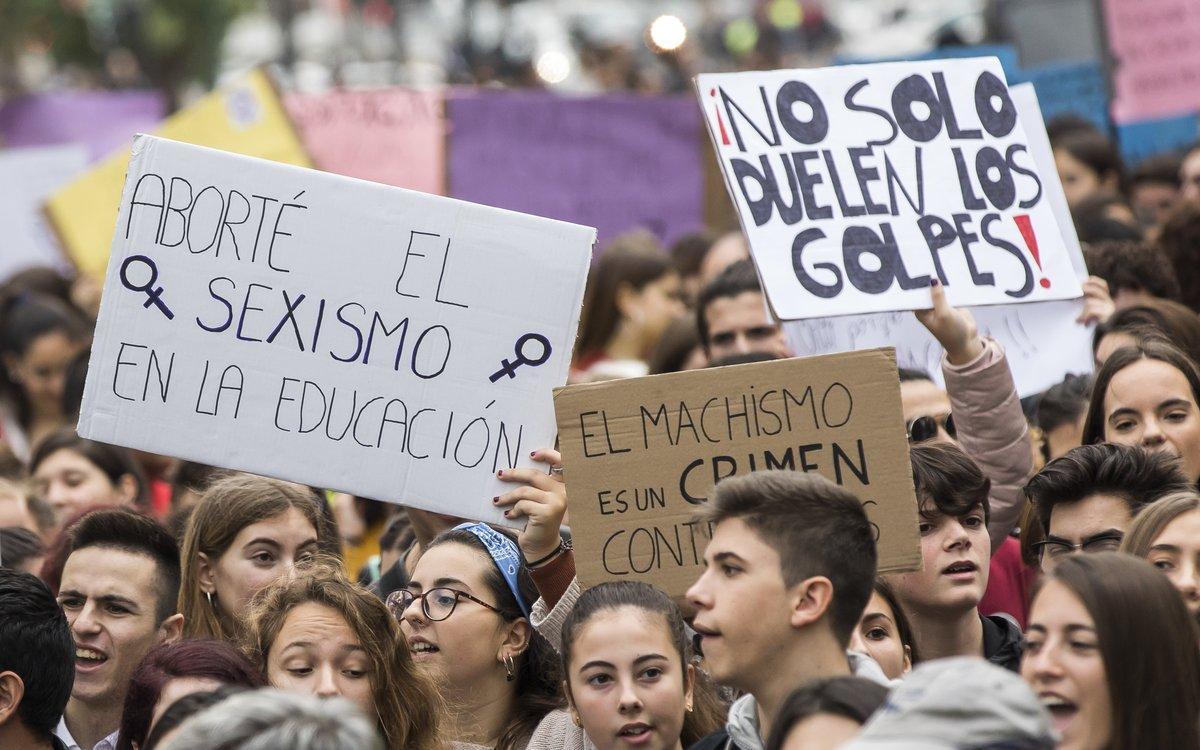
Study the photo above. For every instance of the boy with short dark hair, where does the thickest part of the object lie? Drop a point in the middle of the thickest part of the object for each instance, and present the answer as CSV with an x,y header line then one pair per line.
x,y
120,585
942,598
1086,499
787,574
732,316
36,662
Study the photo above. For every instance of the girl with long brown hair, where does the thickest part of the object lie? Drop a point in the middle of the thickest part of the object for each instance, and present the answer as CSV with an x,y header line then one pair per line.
x,y
245,533
314,632
1114,656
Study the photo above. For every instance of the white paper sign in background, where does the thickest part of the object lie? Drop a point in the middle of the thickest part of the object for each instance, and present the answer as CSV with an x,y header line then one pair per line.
x,y
1042,340
858,184
340,333
27,177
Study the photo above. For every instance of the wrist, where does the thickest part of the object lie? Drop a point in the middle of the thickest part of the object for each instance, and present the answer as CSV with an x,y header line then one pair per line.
x,y
968,352
535,561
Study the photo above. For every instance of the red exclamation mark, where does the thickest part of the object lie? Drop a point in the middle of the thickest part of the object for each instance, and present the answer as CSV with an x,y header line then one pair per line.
x,y
1026,227
720,123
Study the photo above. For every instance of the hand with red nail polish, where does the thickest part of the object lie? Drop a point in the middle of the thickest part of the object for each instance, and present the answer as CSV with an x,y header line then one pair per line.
x,y
541,499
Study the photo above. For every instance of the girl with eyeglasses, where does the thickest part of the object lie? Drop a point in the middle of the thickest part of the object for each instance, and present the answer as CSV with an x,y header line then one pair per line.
x,y
466,615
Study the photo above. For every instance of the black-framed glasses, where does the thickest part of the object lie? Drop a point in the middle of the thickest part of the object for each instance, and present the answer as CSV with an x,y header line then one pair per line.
x,y
1059,548
926,427
436,604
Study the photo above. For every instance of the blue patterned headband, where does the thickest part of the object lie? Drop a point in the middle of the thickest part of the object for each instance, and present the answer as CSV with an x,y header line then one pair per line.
x,y
504,554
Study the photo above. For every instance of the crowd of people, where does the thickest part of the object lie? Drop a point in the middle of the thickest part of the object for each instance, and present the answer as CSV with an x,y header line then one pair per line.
x,y
149,603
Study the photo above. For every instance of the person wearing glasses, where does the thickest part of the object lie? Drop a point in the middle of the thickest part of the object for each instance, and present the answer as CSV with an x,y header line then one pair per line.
x,y
313,632
466,615
1086,499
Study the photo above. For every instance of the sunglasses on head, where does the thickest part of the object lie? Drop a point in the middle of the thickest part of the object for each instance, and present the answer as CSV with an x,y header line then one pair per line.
x,y
926,427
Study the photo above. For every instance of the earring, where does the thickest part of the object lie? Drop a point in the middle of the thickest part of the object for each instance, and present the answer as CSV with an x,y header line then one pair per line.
x,y
209,595
510,668
688,707
575,719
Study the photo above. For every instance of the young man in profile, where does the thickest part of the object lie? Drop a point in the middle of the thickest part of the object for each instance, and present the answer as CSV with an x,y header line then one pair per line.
x,y
36,663
119,590
787,574
1086,499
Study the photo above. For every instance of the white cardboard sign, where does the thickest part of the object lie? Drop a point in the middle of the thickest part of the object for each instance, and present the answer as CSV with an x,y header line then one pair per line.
x,y
344,334
1042,340
856,185
27,177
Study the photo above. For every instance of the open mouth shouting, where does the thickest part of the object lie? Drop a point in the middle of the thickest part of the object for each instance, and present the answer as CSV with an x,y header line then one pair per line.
x,y
1062,711
88,659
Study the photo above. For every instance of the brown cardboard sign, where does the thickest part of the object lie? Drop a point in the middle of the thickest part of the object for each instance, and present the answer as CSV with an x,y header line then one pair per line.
x,y
641,455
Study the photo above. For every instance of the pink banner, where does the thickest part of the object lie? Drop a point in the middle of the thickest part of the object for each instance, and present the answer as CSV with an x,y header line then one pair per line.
x,y
1155,46
395,136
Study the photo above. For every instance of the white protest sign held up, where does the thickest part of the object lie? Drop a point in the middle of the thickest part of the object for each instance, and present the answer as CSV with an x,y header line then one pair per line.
x,y
1042,341
344,334
857,185
27,177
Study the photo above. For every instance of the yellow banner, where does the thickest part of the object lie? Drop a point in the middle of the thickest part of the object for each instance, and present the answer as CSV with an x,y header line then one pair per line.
x,y
245,117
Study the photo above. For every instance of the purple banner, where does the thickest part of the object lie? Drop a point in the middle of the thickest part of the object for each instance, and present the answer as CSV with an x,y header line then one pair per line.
x,y
101,120
614,162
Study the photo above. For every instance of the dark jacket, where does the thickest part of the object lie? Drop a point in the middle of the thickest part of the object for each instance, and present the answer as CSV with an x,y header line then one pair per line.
x,y
1003,642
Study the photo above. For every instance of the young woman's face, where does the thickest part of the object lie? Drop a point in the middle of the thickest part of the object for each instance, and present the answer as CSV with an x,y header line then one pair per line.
x,y
260,554
1079,181
1150,404
1063,665
658,304
41,371
316,653
70,483
877,636
462,651
627,683
1176,552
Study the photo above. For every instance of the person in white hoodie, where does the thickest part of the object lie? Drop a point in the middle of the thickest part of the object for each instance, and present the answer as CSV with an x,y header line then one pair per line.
x,y
787,574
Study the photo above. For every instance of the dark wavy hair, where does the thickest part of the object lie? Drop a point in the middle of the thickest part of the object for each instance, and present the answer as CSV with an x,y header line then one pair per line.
x,y
538,682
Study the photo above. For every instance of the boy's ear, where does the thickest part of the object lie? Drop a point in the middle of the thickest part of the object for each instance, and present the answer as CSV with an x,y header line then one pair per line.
x,y
810,600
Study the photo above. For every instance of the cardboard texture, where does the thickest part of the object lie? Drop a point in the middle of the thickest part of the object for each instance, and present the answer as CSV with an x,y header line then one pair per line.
x,y
1156,58
642,455
857,185
395,136
1042,341
245,117
326,330
27,176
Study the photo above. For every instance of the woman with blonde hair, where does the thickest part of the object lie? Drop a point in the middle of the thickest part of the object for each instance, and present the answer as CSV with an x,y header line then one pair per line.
x,y
1166,533
313,632
246,532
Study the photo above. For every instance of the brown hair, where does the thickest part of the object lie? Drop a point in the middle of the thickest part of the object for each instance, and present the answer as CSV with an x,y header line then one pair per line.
x,y
1156,349
407,701
1179,238
634,259
950,479
1148,643
1160,317
707,713
1154,518
228,506
816,527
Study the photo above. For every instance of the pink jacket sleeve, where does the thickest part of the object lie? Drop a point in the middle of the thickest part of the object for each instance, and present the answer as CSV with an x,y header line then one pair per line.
x,y
992,431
